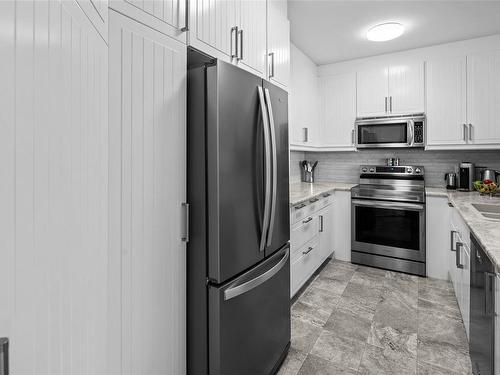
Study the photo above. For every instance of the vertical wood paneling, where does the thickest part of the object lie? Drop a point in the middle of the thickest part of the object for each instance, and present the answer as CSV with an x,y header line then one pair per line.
x,y
148,255
406,88
54,175
7,167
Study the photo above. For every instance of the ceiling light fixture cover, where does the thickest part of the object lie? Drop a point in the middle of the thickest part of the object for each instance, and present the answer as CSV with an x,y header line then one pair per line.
x,y
385,31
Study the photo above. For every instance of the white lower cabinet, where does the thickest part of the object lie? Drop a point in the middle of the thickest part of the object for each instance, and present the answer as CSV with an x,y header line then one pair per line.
x,y
437,240
311,238
342,226
459,264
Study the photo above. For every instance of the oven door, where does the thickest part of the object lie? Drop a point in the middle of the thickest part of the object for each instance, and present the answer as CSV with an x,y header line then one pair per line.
x,y
393,229
389,133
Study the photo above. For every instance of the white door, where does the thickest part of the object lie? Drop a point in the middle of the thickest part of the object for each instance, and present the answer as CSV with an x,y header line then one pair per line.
x,y
326,232
483,97
372,92
446,101
54,171
252,36
148,186
406,88
465,279
278,44
342,225
338,110
212,27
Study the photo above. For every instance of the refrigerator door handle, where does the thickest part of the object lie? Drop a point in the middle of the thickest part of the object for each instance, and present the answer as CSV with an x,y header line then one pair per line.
x,y
267,182
254,283
274,167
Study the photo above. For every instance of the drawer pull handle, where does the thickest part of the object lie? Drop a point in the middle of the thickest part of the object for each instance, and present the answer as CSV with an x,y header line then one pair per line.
x,y
309,249
307,220
314,200
326,195
300,206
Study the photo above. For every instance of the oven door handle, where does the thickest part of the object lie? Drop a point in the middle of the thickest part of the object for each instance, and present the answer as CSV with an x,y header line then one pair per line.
x,y
396,205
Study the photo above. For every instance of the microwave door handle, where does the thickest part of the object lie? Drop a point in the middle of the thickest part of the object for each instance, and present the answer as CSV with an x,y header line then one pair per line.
x,y
410,132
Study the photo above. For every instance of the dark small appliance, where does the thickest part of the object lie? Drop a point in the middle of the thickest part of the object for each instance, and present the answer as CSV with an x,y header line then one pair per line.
x,y
466,176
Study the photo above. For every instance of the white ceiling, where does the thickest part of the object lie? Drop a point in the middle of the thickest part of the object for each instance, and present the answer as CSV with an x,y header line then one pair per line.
x,y
331,31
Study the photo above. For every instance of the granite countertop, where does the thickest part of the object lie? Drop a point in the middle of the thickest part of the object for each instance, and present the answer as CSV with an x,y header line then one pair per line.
x,y
486,231
303,191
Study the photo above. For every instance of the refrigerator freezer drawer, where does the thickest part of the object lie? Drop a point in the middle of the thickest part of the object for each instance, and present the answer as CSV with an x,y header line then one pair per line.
x,y
249,319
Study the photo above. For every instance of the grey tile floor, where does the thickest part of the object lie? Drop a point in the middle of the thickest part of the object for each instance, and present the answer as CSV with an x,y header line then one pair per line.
x,y
360,320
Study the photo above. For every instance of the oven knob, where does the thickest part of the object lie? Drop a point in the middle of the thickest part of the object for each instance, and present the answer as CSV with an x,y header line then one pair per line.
x,y
409,169
364,170
418,170
372,170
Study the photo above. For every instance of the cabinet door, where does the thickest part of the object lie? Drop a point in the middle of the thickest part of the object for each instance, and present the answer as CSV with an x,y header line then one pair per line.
x,y
278,44
252,36
326,232
54,196
342,225
211,24
148,184
166,16
337,110
372,92
437,239
406,88
465,287
446,101
483,96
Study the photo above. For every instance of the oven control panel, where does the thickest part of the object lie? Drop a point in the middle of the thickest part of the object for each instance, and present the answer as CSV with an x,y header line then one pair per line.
x,y
392,171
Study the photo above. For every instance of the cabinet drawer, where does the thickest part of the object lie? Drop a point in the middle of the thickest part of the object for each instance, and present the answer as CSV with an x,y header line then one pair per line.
x,y
303,232
304,265
302,210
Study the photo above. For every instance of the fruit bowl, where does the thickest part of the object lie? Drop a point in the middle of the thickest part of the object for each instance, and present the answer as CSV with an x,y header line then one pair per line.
x,y
486,187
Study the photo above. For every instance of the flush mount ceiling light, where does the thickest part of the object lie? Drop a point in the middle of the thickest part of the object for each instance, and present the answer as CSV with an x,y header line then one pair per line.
x,y
385,31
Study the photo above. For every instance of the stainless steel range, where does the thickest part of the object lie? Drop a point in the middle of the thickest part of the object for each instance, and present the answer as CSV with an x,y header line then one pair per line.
x,y
388,218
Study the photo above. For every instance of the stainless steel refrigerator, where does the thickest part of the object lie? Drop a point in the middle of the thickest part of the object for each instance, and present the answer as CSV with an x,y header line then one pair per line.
x,y
238,276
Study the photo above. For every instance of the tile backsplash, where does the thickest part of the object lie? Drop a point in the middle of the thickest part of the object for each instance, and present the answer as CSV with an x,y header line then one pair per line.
x,y
344,166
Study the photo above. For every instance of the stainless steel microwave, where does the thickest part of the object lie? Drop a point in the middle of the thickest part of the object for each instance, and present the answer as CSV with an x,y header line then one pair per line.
x,y
387,132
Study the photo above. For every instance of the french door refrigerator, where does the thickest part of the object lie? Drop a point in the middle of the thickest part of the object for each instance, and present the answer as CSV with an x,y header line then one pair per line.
x,y
238,276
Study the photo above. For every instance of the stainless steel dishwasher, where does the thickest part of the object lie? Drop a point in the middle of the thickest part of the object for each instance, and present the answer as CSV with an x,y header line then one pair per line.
x,y
482,310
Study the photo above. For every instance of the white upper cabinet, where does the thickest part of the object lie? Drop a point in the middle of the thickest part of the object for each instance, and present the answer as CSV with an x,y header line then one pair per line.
x,y
337,110
213,27
231,30
252,36
166,16
278,43
483,98
373,92
446,101
406,88
397,89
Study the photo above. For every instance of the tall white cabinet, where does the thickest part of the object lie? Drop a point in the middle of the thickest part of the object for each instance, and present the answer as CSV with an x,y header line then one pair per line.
x,y
147,174
54,192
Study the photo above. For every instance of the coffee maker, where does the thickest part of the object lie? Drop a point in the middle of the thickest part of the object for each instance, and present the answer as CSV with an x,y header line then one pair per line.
x,y
466,176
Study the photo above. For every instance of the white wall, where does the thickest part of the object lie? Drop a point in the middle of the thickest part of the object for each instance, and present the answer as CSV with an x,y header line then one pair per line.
x,y
303,99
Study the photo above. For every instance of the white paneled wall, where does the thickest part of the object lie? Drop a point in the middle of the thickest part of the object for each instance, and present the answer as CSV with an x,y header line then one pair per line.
x,y
148,166
54,172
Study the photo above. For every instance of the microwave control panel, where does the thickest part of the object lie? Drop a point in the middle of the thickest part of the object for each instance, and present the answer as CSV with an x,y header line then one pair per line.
x,y
418,132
